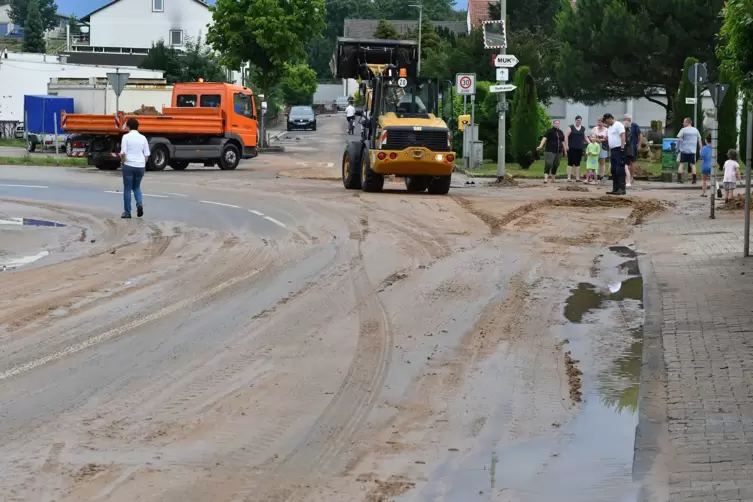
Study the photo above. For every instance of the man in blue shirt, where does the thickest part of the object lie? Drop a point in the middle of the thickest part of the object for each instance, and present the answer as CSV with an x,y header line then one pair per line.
x,y
636,136
706,165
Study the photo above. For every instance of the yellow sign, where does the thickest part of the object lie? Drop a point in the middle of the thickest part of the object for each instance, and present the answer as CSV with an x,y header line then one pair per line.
x,y
463,120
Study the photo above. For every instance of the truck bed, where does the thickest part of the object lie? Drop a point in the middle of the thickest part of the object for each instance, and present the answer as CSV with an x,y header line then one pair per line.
x,y
205,121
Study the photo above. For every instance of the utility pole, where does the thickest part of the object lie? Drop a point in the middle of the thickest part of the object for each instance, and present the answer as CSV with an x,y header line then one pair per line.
x,y
420,8
502,133
749,155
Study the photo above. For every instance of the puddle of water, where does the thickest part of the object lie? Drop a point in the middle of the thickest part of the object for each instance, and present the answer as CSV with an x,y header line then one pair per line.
x,y
623,251
30,222
619,385
586,297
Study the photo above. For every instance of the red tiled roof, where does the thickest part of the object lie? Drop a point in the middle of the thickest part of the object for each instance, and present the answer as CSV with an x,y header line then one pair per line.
x,y
478,11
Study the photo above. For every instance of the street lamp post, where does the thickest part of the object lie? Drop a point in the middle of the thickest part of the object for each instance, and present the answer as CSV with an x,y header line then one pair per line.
x,y
420,23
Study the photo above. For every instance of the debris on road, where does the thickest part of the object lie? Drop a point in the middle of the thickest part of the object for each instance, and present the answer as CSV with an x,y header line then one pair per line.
x,y
736,203
573,188
573,377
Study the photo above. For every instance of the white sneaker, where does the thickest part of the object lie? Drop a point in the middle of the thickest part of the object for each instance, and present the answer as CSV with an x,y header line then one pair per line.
x,y
628,185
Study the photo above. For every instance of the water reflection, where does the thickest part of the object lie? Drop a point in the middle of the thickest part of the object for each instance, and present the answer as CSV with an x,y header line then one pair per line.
x,y
587,297
619,385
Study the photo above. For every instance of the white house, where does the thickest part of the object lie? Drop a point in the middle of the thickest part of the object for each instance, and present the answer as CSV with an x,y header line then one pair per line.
x,y
6,25
138,24
22,74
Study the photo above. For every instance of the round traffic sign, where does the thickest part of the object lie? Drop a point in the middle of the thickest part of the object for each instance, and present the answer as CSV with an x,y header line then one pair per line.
x,y
402,82
466,82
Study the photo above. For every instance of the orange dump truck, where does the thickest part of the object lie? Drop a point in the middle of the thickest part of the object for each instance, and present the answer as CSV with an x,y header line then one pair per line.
x,y
207,123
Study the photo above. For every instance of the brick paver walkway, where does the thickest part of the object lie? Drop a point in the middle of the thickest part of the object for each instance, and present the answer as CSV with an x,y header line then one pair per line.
x,y
705,316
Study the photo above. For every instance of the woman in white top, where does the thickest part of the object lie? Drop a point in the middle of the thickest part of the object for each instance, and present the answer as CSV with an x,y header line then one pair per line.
x,y
600,131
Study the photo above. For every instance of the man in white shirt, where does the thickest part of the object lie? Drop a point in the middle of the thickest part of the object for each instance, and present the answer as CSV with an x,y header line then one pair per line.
x,y
689,143
616,140
350,114
134,152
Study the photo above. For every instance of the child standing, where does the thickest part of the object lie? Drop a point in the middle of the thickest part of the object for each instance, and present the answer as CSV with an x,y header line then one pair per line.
x,y
706,165
731,175
592,159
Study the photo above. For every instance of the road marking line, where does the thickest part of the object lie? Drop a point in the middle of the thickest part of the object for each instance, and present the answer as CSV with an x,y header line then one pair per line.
x,y
257,213
23,186
24,260
176,194
102,337
219,204
144,194
276,222
12,221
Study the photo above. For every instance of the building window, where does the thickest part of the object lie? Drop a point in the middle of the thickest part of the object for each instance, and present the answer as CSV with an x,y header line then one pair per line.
x,y
176,37
158,5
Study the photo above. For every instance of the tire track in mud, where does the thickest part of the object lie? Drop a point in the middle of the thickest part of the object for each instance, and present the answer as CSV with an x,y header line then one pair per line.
x,y
333,433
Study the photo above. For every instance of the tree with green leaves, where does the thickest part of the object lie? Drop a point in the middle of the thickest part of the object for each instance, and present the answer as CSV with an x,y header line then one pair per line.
x,y
268,34
19,12
196,61
430,40
385,30
33,30
401,9
298,85
524,120
617,49
727,120
736,47
531,15
682,109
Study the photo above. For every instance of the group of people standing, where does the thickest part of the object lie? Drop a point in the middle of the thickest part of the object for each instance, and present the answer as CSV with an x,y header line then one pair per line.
x,y
618,141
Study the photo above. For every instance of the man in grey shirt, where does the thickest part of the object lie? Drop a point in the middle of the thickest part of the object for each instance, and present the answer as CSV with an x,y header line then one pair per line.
x,y
688,142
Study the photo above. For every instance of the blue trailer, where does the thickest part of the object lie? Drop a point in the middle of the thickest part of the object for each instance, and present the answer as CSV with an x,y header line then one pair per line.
x,y
42,120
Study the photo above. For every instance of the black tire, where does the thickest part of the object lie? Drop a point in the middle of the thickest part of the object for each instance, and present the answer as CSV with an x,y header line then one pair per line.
x,y
289,128
179,165
230,157
440,185
314,128
31,146
370,181
159,158
107,165
351,167
69,147
417,184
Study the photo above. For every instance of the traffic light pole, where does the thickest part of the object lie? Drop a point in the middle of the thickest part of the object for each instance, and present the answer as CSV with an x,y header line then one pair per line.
x,y
502,133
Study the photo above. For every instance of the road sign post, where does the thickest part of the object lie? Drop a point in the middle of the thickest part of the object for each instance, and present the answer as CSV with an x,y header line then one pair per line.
x,y
465,85
718,91
697,75
503,74
502,88
118,81
749,156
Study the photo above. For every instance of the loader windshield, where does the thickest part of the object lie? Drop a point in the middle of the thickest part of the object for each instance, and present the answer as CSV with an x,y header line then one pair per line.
x,y
417,99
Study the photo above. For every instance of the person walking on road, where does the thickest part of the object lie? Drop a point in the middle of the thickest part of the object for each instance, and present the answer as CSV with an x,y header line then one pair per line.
x,y
575,143
134,152
688,142
600,132
705,165
616,139
635,136
554,139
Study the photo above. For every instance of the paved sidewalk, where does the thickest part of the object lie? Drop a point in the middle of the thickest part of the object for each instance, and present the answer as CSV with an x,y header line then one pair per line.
x,y
703,316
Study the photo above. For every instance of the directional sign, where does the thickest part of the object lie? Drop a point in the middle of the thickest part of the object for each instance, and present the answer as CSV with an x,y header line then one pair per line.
x,y
690,101
502,88
718,91
118,81
505,61
503,74
465,83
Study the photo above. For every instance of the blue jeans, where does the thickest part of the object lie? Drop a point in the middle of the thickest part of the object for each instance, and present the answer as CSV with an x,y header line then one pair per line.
x,y
132,177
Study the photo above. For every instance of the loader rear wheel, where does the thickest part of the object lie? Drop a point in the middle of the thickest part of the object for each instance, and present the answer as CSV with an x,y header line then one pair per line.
x,y
159,158
417,184
370,181
440,185
351,169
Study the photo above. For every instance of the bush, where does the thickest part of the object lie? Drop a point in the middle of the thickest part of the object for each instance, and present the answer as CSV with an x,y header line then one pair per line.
x,y
681,109
727,121
524,124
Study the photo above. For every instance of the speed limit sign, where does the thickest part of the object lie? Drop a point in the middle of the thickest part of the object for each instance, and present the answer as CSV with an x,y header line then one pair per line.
x,y
402,82
465,83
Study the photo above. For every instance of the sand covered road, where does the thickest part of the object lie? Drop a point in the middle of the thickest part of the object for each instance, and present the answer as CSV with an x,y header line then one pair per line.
x,y
374,349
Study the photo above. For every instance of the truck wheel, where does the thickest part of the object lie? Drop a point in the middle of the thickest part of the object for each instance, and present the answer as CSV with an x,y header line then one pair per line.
x,y
31,146
351,169
107,165
370,181
69,147
179,165
417,184
230,158
440,185
159,159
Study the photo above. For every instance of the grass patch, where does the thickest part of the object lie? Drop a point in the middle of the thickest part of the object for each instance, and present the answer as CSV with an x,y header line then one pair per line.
x,y
19,143
40,160
537,170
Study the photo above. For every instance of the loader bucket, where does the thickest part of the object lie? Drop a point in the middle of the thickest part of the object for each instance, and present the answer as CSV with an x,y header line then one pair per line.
x,y
353,56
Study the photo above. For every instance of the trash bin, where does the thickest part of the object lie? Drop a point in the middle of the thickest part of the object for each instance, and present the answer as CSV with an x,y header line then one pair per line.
x,y
669,154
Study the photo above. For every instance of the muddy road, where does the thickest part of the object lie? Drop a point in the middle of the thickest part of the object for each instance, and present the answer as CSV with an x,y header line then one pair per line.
x,y
265,335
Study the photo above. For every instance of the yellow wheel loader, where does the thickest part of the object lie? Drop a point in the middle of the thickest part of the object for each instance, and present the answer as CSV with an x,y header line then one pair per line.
x,y
404,125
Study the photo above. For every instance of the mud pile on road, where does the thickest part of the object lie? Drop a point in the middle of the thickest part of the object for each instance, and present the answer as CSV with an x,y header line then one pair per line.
x,y
573,377
573,188
146,111
736,203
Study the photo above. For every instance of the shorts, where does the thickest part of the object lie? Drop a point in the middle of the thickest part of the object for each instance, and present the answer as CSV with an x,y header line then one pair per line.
x,y
687,157
604,154
574,157
706,170
730,185
552,163
629,159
